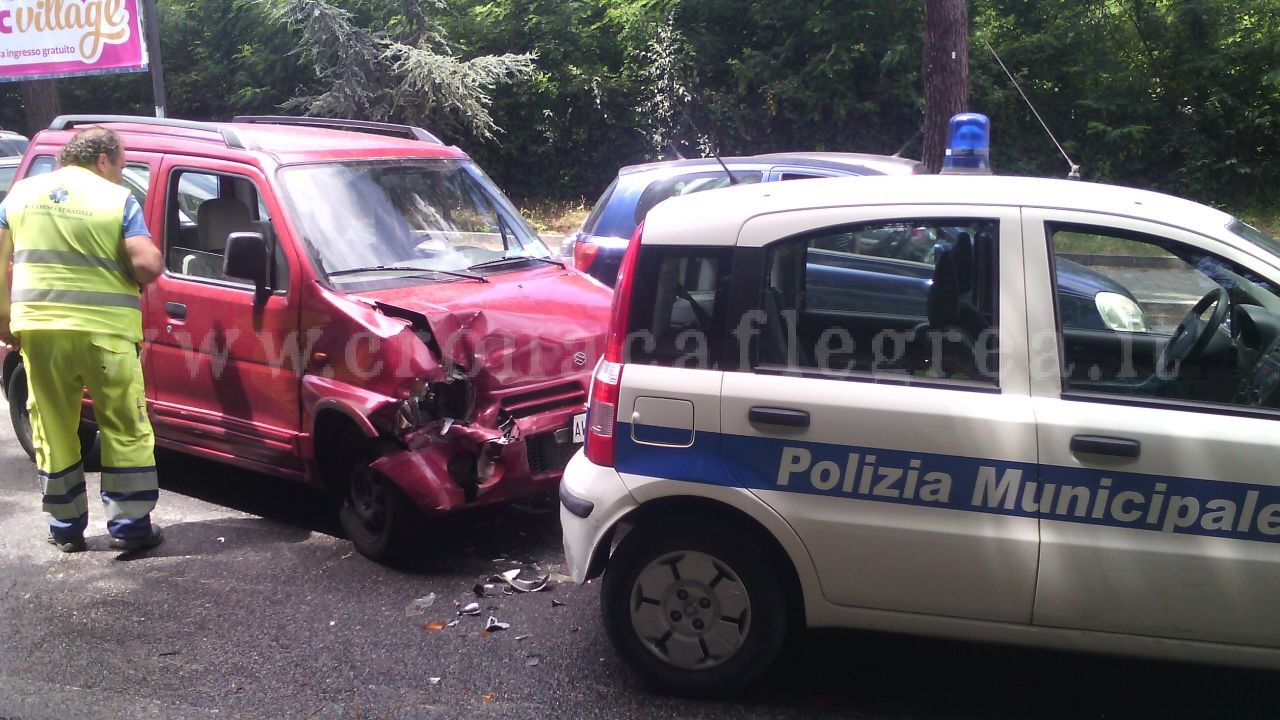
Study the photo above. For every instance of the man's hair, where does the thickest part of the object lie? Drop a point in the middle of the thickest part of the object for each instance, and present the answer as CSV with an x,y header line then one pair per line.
x,y
87,145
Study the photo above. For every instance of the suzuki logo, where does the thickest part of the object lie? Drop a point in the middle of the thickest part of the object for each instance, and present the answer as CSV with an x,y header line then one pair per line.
x,y
579,359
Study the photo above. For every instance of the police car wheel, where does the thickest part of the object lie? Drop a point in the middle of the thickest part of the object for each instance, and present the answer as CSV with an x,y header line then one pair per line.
x,y
375,514
695,612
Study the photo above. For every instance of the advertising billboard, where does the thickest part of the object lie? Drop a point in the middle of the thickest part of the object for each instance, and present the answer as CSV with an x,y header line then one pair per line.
x,y
62,38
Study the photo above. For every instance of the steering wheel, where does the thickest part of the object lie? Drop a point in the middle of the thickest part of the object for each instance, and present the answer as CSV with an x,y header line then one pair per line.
x,y
1193,334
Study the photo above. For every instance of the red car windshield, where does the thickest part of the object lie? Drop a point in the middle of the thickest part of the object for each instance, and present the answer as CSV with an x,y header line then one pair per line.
x,y
396,216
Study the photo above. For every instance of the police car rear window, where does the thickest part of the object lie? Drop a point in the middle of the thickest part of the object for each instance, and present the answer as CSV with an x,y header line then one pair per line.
x,y
678,306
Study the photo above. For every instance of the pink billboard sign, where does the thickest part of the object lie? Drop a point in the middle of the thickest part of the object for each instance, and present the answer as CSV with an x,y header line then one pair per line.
x,y
61,38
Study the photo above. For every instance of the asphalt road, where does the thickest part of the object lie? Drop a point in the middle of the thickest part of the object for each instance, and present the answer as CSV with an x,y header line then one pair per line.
x,y
255,607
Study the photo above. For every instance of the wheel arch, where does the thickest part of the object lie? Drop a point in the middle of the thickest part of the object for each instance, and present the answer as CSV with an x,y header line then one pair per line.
x,y
332,432
693,508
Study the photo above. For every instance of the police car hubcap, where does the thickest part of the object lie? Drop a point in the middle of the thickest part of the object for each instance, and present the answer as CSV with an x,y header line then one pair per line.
x,y
690,610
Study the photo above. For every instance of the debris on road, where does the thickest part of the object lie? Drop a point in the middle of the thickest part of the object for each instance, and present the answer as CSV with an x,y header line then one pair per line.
x,y
470,609
512,578
532,660
435,626
433,681
557,603
494,626
419,606
522,638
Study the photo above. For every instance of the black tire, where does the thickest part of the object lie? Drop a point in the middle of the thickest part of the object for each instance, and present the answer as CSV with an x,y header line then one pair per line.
x,y
18,411
377,517
21,419
637,608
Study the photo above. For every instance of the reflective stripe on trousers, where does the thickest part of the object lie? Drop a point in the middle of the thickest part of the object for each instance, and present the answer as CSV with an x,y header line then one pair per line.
x,y
60,364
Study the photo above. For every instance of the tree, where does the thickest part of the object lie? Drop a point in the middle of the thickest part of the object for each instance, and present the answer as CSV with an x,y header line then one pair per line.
x,y
405,70
41,102
946,73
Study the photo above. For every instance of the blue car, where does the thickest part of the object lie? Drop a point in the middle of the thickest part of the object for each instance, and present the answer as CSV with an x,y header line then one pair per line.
x,y
897,263
598,246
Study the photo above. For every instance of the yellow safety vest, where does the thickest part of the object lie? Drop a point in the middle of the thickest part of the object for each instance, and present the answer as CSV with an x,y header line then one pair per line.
x,y
70,270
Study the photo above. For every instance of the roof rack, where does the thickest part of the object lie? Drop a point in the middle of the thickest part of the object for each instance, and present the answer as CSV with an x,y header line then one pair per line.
x,y
229,135
408,132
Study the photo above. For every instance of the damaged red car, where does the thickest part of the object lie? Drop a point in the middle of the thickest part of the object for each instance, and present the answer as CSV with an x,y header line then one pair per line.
x,y
352,305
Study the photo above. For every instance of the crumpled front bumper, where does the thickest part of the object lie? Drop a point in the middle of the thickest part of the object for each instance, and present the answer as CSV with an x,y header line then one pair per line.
x,y
473,465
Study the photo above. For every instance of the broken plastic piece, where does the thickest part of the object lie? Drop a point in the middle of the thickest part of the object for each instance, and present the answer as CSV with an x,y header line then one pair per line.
x,y
435,626
470,609
451,624
494,626
557,603
488,697
510,577
520,638
433,681
419,606
532,660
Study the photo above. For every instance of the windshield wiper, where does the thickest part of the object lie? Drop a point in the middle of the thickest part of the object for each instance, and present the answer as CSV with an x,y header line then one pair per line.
x,y
409,268
514,258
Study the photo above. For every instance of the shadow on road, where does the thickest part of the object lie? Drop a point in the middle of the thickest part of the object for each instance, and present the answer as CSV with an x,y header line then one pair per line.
x,y
879,675
463,542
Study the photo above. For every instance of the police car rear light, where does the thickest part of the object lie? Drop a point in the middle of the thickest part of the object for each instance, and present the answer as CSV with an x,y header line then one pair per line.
x,y
584,253
602,412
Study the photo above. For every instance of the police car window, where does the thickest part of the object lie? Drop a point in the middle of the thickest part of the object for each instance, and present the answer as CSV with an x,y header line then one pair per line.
x,y
1148,317
678,306
202,210
911,298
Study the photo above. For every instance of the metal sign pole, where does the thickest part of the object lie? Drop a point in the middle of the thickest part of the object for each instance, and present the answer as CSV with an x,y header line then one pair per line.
x,y
152,22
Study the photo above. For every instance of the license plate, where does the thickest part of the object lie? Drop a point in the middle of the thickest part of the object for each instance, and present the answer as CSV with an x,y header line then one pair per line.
x,y
579,427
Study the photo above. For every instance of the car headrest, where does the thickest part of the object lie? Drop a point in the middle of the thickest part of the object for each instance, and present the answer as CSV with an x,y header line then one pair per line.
x,y
219,217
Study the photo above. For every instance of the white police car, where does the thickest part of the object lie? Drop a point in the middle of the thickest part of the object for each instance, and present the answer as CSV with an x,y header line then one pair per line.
x,y
790,428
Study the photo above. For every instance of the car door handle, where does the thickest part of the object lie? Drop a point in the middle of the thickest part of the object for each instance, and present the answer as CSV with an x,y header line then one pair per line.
x,y
1102,445
779,416
177,311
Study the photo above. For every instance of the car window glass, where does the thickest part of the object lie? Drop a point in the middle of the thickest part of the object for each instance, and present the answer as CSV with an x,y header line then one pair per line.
x,y
202,210
589,225
912,298
41,165
1149,317
687,184
678,306
6,178
137,177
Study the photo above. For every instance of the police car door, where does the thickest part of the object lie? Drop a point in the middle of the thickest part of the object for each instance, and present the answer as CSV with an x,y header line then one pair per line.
x,y
881,389
1160,500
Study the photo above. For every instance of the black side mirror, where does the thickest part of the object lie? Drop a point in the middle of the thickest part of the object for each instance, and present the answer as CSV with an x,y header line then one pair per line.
x,y
248,257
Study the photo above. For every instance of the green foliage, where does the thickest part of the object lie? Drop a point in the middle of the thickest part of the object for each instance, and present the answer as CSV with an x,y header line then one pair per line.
x,y
1177,95
404,70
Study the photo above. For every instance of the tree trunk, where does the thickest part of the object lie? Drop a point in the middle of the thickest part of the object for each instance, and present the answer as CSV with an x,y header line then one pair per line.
x,y
41,102
946,73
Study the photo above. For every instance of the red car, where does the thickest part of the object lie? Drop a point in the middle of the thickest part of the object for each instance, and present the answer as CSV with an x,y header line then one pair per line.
x,y
352,305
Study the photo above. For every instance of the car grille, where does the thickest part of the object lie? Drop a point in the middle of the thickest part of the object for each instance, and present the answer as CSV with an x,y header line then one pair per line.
x,y
532,402
546,455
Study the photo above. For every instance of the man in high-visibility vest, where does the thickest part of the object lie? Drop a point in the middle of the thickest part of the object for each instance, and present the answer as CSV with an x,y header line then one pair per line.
x,y
81,253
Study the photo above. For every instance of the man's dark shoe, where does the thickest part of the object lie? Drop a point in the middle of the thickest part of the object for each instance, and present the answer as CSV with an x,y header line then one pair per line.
x,y
68,545
133,545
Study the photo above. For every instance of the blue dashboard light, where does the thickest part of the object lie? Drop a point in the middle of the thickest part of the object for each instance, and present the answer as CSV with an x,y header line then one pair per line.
x,y
969,144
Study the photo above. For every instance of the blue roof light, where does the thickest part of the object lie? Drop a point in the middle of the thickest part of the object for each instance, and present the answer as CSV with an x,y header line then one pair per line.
x,y
969,144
